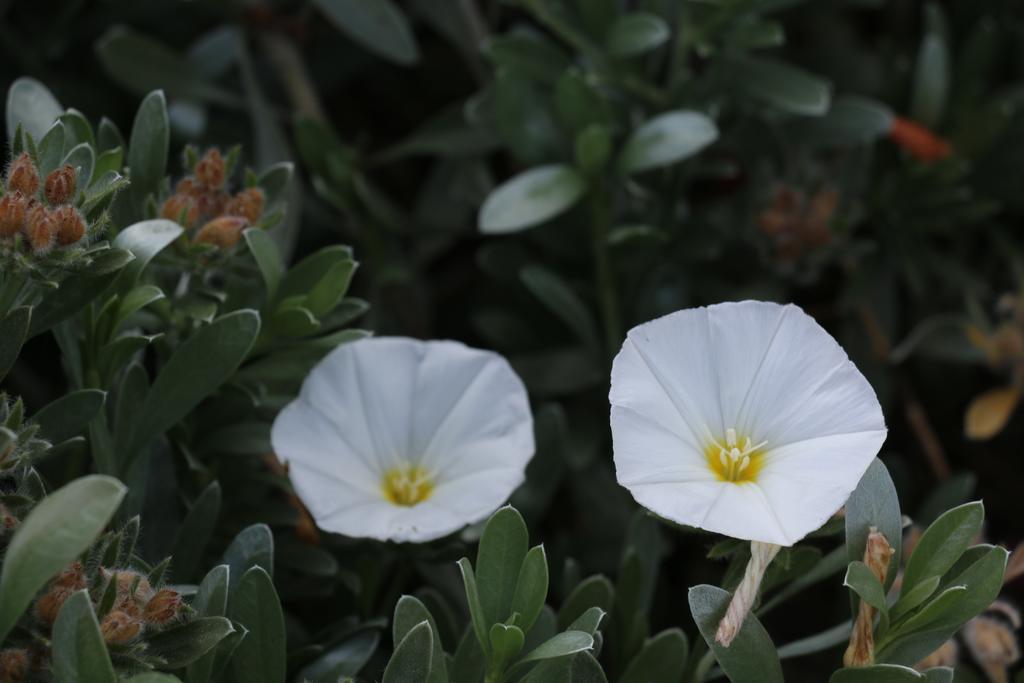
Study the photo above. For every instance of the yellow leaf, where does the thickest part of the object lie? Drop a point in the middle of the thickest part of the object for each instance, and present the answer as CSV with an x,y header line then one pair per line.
x,y
988,412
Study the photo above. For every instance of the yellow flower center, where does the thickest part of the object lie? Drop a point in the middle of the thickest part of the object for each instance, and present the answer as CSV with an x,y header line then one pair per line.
x,y
737,460
407,485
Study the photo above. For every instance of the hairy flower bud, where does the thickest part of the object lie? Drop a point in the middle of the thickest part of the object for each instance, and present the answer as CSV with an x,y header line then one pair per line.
x,y
49,604
69,224
861,651
223,232
120,627
181,208
248,204
59,186
162,607
7,520
40,229
73,576
13,208
210,169
186,185
133,590
13,664
23,176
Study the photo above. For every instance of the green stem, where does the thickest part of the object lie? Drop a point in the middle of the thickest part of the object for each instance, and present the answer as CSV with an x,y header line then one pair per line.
x,y
600,224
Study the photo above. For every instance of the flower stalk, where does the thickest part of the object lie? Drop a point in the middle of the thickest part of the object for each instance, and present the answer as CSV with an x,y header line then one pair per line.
x,y
761,555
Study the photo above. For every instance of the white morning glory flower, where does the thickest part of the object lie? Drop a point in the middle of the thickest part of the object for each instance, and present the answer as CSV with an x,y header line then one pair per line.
x,y
746,419
405,440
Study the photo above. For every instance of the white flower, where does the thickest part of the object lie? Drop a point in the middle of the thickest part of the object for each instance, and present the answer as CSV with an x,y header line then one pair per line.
x,y
404,440
745,419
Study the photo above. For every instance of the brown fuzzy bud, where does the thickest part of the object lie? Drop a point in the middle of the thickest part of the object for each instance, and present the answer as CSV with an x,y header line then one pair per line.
x,y
72,577
861,651
69,224
223,232
48,606
162,607
211,202
187,185
13,208
59,186
248,204
180,208
14,664
210,169
7,520
120,627
23,176
40,229
993,644
133,590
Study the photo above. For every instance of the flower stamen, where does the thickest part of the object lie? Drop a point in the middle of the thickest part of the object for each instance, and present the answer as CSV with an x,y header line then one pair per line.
x,y
407,485
738,460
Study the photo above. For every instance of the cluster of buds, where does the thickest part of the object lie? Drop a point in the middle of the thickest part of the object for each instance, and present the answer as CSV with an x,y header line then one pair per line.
x,y
14,664
61,588
42,211
202,203
136,603
796,223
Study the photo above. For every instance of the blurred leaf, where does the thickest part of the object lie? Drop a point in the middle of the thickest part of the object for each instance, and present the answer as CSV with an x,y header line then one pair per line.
x,y
663,658
562,645
955,491
181,645
59,529
782,85
260,656
70,414
252,547
530,198
412,658
531,588
13,330
528,53
476,611
969,592
879,673
751,657
147,150
594,591
409,613
943,543
31,105
667,139
500,555
586,669
377,25
268,259
195,531
989,412
551,291
79,653
851,120
635,33
211,600
346,659
578,103
196,369
931,76
142,64
874,503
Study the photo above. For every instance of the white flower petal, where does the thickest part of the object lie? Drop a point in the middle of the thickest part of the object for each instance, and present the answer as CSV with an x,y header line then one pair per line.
x,y
771,374
460,414
653,453
663,372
